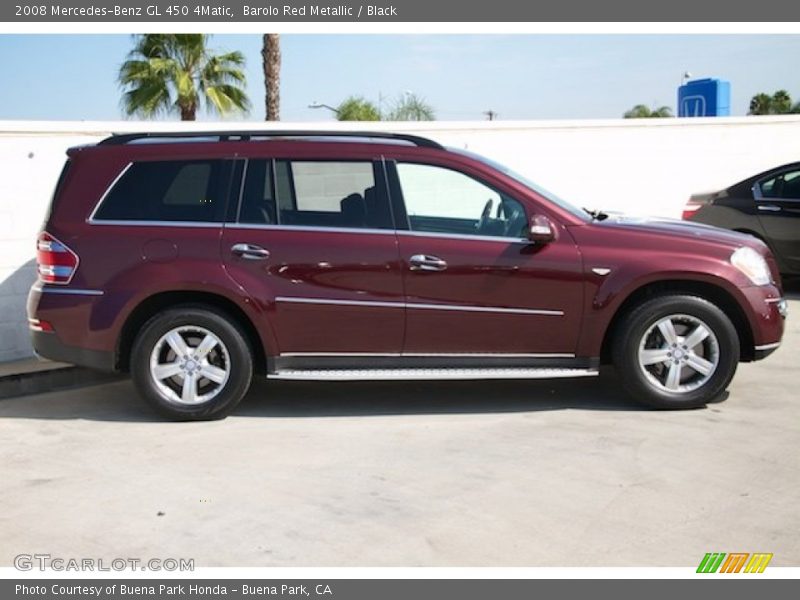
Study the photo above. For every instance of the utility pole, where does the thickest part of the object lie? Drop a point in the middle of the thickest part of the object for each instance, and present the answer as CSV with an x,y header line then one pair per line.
x,y
490,115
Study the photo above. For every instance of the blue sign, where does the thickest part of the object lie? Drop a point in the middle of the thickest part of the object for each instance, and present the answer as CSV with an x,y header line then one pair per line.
x,y
705,98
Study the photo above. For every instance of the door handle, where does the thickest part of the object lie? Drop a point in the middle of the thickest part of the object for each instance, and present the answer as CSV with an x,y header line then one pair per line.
x,y
769,207
424,262
250,252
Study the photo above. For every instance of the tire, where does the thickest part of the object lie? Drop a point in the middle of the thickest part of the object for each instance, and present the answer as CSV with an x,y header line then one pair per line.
x,y
207,378
685,375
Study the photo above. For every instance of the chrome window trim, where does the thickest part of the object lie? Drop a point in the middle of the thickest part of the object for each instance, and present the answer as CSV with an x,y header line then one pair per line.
x,y
67,291
310,228
465,236
365,230
122,223
426,354
419,306
91,220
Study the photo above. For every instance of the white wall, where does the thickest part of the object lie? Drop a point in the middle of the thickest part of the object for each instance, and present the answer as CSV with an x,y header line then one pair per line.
x,y
639,166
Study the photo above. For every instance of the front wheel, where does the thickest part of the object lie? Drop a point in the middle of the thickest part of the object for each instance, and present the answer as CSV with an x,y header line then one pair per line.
x,y
191,363
676,351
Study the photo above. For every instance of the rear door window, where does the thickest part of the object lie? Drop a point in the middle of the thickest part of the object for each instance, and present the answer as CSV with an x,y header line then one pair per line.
x,y
314,193
784,186
168,191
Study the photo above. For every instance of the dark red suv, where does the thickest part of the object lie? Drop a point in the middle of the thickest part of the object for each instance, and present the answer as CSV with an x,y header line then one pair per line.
x,y
193,260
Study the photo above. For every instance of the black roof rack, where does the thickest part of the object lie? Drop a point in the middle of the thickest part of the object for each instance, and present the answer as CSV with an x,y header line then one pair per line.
x,y
225,136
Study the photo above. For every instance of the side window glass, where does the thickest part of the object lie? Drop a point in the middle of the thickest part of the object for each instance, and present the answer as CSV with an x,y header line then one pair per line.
x,y
791,186
167,191
786,185
441,200
330,194
258,204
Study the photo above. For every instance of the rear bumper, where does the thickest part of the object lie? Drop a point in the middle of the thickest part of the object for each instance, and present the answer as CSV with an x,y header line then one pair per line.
x,y
47,345
80,336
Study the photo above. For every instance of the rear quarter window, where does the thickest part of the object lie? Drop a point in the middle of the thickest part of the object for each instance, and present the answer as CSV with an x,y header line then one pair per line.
x,y
167,191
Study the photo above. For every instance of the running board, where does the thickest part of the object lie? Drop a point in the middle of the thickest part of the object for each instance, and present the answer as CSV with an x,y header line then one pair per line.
x,y
428,374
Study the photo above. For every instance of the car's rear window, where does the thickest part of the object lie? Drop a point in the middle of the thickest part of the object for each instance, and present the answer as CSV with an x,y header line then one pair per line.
x,y
170,191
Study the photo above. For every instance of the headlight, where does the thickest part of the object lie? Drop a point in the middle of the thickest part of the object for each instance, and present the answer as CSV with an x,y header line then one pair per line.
x,y
752,264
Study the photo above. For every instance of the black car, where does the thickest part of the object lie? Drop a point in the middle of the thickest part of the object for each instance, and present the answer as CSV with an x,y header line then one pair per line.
x,y
766,205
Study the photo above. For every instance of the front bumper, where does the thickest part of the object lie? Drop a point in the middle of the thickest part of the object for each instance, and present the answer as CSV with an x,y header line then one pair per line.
x,y
767,311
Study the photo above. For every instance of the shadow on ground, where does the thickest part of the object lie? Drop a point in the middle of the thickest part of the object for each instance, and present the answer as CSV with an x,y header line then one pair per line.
x,y
283,399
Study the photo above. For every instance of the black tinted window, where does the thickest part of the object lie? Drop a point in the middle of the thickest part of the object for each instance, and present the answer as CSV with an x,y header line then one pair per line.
x,y
786,185
167,191
258,202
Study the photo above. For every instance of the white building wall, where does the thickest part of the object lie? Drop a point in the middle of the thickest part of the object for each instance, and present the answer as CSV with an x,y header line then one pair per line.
x,y
639,166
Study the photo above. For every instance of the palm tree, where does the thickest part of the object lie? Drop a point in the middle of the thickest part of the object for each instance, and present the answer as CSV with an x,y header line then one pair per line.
x,y
781,102
271,56
640,111
177,73
356,108
761,104
411,107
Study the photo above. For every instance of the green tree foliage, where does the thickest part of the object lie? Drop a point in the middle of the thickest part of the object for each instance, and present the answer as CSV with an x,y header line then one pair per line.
x,y
640,111
178,74
779,103
410,107
356,108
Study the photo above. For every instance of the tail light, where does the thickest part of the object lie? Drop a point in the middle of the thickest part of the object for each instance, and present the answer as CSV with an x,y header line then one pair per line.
x,y
696,202
57,263
39,325
691,207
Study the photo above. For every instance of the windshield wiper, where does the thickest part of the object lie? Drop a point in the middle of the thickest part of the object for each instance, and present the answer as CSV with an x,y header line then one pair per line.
x,y
597,215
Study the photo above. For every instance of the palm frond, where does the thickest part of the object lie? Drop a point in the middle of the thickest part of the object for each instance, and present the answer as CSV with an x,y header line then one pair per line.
x,y
174,72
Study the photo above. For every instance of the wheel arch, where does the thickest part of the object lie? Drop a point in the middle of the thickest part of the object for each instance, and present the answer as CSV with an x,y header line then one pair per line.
x,y
713,293
151,305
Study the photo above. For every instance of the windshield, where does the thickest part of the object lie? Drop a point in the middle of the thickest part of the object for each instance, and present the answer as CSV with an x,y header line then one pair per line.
x,y
578,212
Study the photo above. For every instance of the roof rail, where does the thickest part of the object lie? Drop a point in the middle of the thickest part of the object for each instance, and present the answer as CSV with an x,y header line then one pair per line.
x,y
224,136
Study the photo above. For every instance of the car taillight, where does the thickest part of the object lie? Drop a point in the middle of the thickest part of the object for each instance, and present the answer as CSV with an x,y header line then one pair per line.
x,y
691,207
39,325
57,263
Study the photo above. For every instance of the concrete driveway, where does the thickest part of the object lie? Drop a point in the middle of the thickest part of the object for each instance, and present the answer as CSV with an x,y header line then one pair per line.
x,y
564,473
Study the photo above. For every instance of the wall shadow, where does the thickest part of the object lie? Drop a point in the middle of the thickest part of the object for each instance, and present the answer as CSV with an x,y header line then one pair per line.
x,y
15,343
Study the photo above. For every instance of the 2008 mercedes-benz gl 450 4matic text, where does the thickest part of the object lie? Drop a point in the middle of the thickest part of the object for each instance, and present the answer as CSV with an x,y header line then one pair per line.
x,y
196,260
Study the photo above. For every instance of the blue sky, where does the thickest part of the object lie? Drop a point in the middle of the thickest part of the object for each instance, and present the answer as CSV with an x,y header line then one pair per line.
x,y
62,77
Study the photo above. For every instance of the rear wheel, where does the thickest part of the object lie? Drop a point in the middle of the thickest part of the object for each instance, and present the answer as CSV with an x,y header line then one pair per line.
x,y
676,351
191,363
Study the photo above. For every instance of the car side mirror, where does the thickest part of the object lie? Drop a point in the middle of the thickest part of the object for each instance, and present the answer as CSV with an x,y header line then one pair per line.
x,y
541,230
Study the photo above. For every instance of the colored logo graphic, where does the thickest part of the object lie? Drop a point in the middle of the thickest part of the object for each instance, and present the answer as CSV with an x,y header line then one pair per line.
x,y
735,562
